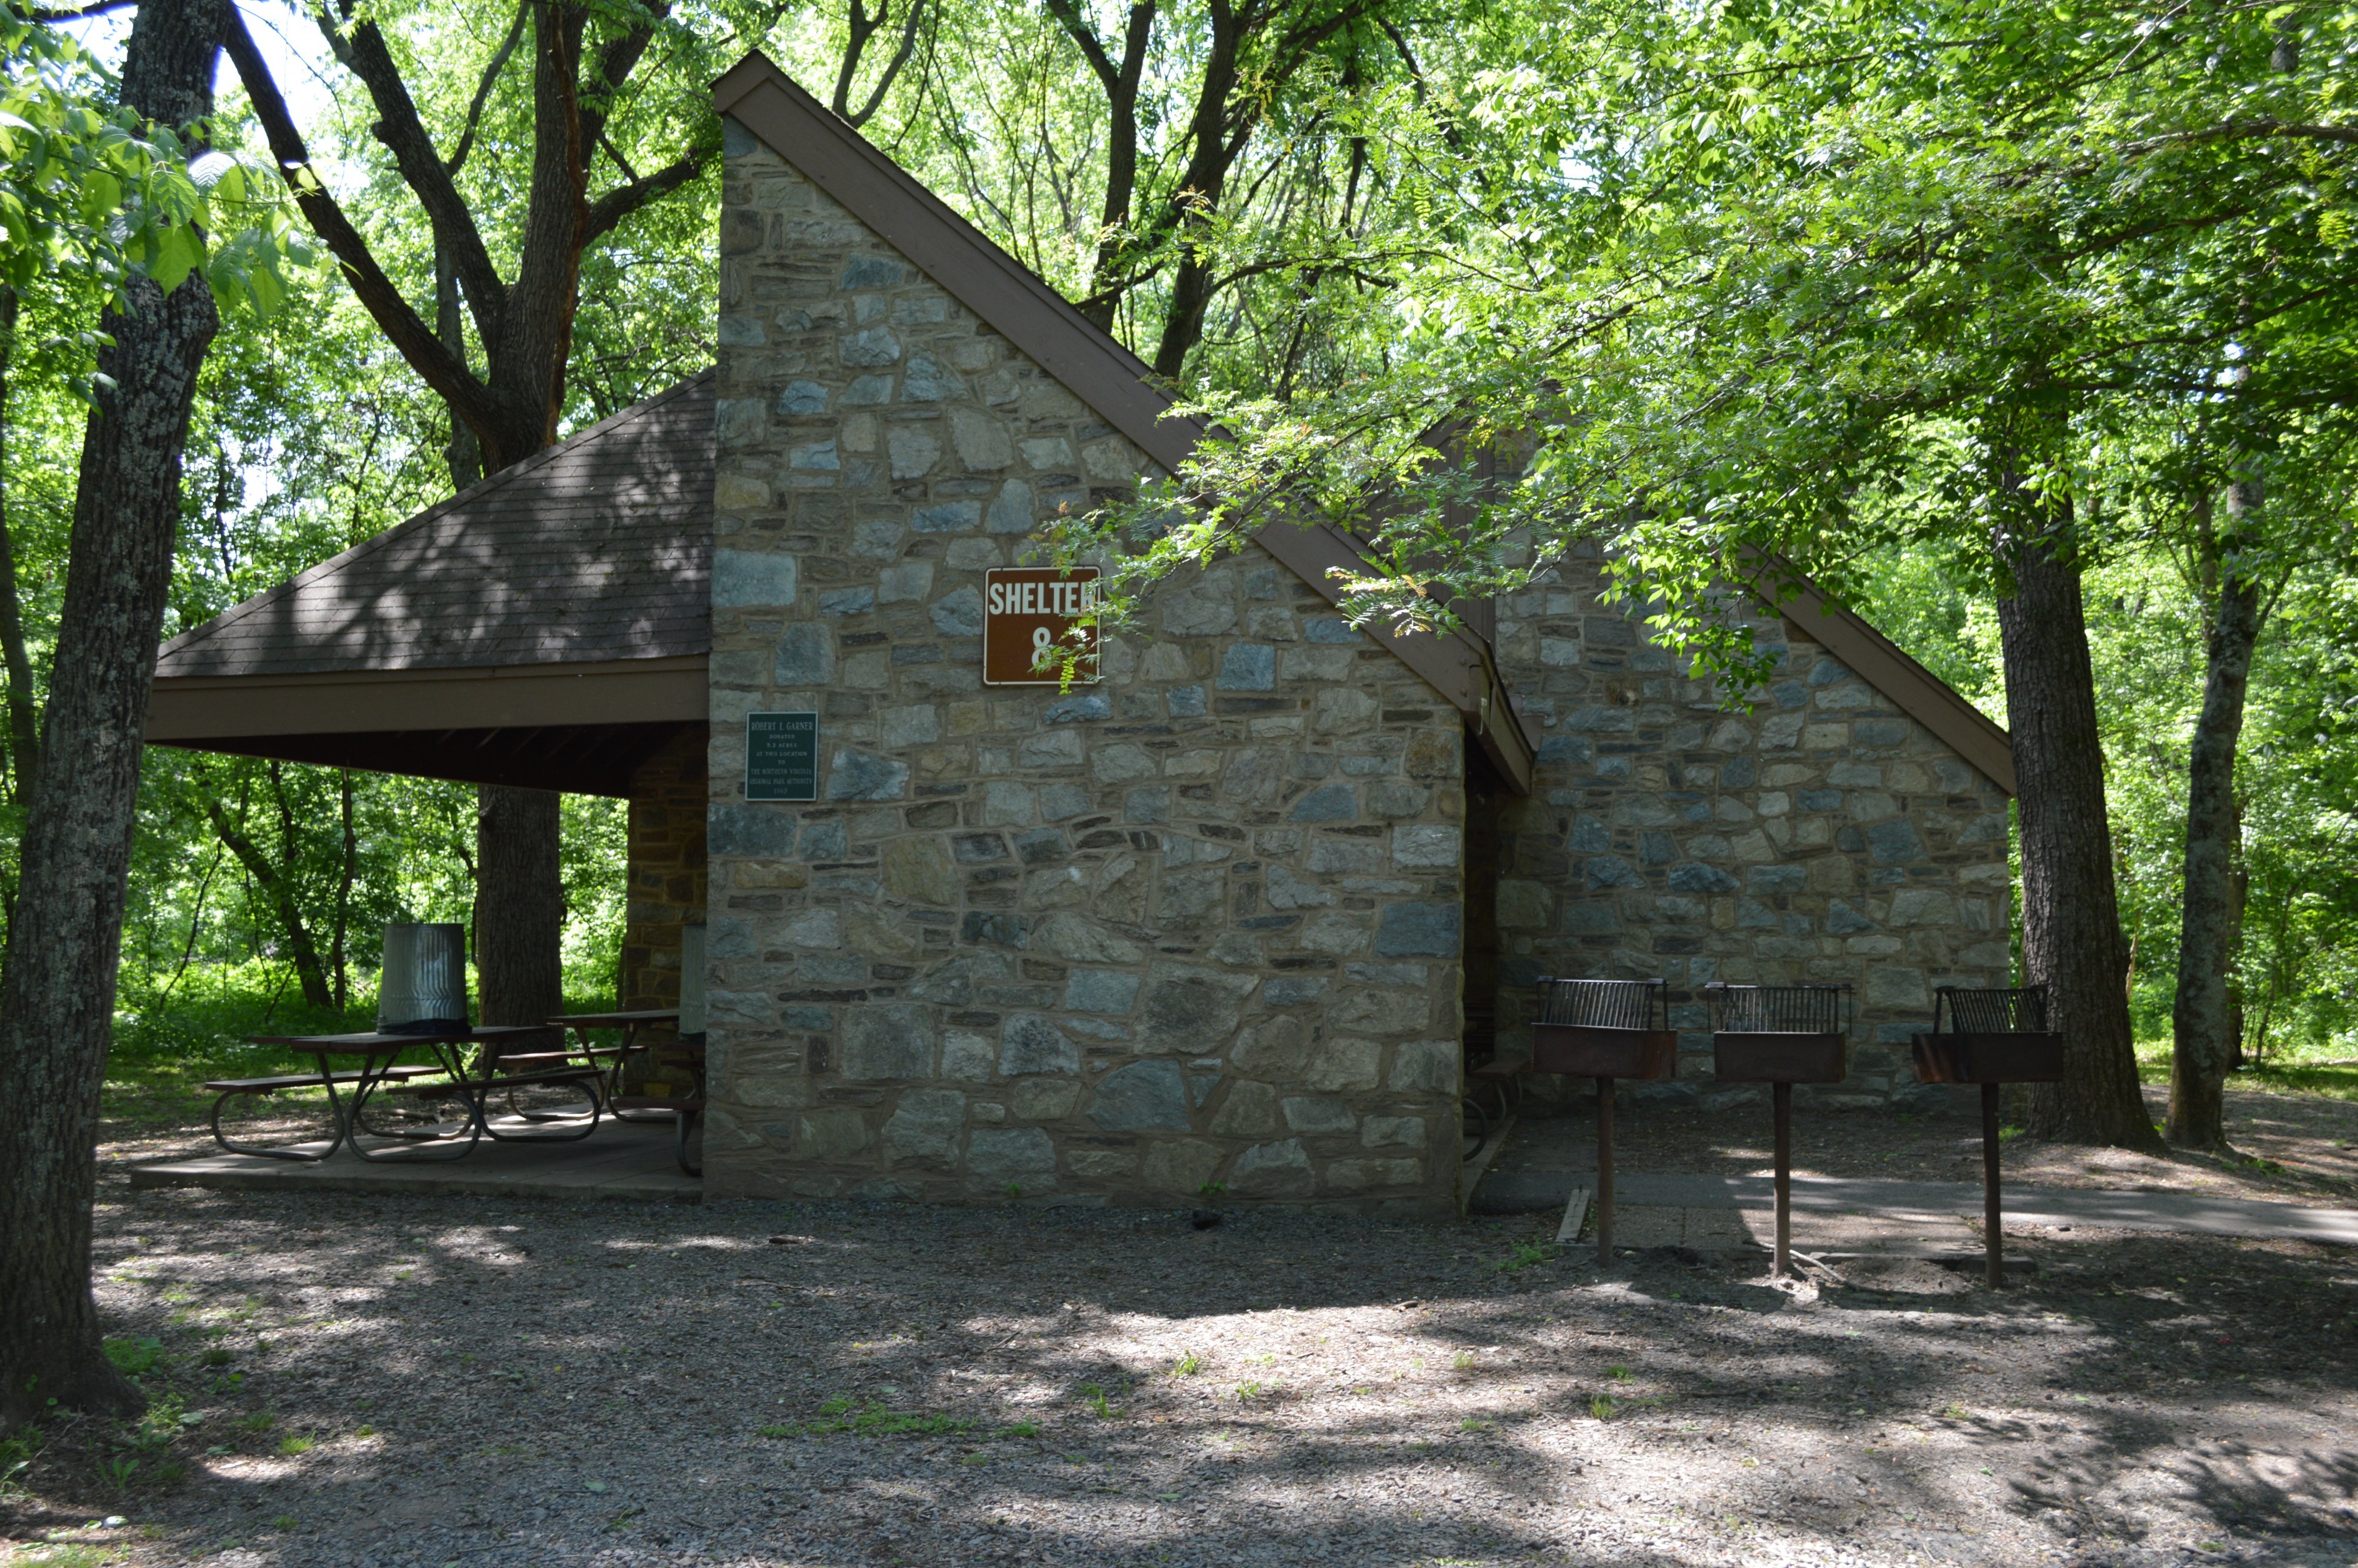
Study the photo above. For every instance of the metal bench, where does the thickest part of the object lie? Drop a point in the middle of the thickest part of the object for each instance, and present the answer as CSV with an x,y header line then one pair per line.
x,y
477,1092
225,1089
687,1109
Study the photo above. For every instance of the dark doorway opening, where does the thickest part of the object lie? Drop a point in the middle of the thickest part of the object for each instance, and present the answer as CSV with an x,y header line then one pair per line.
x,y
1485,792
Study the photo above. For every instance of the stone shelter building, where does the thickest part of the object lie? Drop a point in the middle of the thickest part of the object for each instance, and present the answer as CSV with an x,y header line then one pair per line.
x,y
1227,919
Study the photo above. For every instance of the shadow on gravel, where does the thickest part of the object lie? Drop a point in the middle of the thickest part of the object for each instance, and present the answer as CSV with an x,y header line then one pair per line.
x,y
894,1383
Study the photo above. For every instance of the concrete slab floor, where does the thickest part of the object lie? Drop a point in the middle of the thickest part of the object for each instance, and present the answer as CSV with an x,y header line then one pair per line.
x,y
1865,1214
620,1160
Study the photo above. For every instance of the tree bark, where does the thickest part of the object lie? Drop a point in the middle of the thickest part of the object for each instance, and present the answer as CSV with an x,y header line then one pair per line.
x,y
2071,941
1216,144
1121,81
464,453
2203,1017
2239,897
277,884
57,1003
24,714
346,873
519,906
861,28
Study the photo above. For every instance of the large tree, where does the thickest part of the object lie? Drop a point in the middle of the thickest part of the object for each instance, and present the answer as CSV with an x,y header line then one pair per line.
x,y
1763,286
581,65
57,1001
607,88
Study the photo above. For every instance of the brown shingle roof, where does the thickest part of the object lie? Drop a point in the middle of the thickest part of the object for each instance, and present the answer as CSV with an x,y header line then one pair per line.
x,y
598,549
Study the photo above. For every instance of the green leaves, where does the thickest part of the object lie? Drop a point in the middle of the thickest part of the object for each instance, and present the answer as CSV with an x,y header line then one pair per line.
x,y
1744,283
88,190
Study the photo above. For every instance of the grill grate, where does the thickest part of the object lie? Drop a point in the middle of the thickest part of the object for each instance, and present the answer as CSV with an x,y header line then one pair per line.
x,y
2022,1011
1605,1004
1777,1009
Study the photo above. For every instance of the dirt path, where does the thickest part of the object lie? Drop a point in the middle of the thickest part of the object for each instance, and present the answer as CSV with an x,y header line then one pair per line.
x,y
400,1380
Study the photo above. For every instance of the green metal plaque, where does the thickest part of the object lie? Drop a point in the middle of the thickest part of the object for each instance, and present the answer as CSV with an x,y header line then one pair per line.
x,y
782,756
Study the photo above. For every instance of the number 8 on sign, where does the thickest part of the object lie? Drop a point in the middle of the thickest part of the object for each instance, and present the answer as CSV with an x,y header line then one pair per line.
x,y
1028,625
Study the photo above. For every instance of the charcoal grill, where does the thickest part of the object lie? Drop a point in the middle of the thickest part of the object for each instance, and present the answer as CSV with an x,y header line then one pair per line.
x,y
1990,1037
1604,1030
1780,1035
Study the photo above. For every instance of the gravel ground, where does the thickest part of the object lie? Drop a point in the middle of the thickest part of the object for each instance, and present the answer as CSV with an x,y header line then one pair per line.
x,y
397,1380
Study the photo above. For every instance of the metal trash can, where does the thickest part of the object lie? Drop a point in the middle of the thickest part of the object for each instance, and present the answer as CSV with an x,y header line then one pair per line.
x,y
422,989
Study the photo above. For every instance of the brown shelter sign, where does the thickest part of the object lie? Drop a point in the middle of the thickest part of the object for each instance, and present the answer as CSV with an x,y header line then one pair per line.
x,y
1028,612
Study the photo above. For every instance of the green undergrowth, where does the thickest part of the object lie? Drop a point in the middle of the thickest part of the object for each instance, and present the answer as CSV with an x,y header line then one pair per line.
x,y
2328,1078
170,1038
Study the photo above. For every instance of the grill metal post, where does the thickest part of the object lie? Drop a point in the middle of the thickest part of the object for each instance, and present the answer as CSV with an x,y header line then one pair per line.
x,y
1992,1224
1603,1172
1994,1037
1783,1094
1603,1031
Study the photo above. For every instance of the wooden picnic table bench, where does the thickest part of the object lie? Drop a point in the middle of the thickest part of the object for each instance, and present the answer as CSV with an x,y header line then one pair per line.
x,y
616,1057
226,1089
687,1110
380,1071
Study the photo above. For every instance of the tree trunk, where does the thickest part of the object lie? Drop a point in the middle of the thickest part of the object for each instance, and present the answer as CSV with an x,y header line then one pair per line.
x,y
2071,941
345,872
2239,897
1182,328
58,996
519,905
519,895
1188,220
2203,1018
277,883
464,454
1121,81
24,715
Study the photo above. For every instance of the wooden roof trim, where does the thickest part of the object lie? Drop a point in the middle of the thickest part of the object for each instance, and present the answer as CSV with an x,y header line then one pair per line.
x,y
1044,326
573,759
214,710
423,520
1455,664
1885,665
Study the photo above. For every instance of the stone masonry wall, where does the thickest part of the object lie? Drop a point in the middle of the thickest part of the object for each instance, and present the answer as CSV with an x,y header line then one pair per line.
x,y
1821,837
667,869
1197,925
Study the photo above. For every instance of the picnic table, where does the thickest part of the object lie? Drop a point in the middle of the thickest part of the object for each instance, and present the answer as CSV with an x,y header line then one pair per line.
x,y
448,1073
687,1110
614,1056
684,1110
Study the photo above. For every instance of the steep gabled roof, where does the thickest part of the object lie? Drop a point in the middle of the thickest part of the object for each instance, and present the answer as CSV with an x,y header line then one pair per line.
x,y
1040,322
1911,688
1017,303
548,627
596,549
